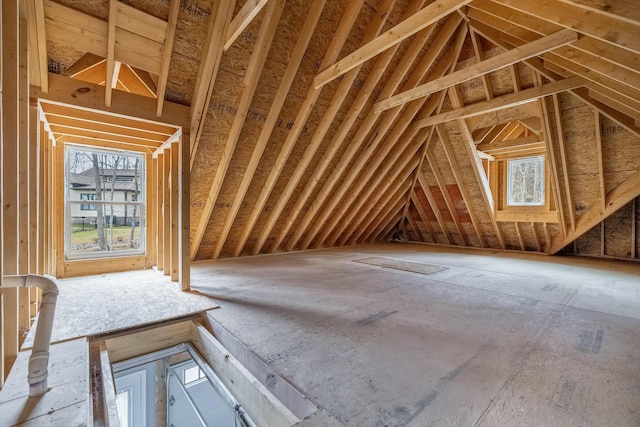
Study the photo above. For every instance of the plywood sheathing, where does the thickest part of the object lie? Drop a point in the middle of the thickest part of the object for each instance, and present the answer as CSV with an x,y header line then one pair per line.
x,y
497,26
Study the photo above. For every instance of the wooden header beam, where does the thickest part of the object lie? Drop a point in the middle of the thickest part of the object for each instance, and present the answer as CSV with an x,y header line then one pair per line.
x,y
410,26
87,95
505,101
512,56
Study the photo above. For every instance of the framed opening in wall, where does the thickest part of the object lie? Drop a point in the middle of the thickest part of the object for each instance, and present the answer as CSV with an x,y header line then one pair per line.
x,y
525,181
104,203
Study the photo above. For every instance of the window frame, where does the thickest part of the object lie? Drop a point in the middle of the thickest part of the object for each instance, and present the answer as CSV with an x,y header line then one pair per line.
x,y
509,187
140,204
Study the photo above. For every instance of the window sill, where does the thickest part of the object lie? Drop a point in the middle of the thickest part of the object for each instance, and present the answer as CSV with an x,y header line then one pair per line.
x,y
526,215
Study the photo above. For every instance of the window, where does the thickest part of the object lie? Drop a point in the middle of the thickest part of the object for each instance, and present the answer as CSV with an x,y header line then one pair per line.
x,y
112,224
87,206
525,182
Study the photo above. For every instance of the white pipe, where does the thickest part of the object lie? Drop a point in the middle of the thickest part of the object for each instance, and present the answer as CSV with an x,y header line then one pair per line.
x,y
39,359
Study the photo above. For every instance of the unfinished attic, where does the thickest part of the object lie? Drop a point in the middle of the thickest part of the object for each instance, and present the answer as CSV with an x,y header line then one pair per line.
x,y
320,213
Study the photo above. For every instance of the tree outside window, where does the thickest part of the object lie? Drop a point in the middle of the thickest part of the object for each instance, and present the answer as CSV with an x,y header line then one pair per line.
x,y
526,182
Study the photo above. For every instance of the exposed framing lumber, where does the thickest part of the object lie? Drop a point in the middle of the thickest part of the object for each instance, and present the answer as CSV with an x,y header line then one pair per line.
x,y
563,160
272,117
531,141
423,216
111,52
598,25
166,212
377,194
183,190
23,168
174,7
375,26
504,101
322,210
36,20
208,69
91,96
391,192
413,24
497,36
386,213
174,212
242,20
447,197
251,79
338,40
390,86
69,27
622,194
159,240
536,238
480,177
534,48
434,207
600,160
412,221
444,141
553,162
381,166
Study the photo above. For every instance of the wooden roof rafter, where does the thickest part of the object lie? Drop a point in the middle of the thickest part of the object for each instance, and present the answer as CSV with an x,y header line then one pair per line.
x,y
408,27
381,64
251,79
285,85
342,32
374,29
399,134
320,210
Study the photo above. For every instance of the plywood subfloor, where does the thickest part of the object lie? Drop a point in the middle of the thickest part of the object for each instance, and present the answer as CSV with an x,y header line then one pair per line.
x,y
491,341
96,304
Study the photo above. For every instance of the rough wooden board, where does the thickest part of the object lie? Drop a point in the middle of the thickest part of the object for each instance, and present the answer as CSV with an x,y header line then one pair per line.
x,y
398,264
65,402
94,304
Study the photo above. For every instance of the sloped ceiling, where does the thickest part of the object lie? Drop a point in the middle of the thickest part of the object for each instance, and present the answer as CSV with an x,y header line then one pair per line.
x,y
322,123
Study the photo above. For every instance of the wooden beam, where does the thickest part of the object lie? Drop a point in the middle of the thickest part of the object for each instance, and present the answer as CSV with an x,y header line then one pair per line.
x,y
103,130
523,247
410,26
434,207
563,160
391,191
626,10
547,132
478,171
504,101
423,216
598,25
444,141
66,26
534,48
272,117
111,52
91,96
208,69
166,212
159,184
447,197
357,106
36,20
320,211
383,187
251,79
499,38
184,200
510,144
174,175
598,132
339,38
375,26
386,210
174,7
242,20
622,194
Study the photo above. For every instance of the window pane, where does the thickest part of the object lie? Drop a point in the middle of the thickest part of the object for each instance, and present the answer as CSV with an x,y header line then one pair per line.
x,y
102,216
526,182
121,230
